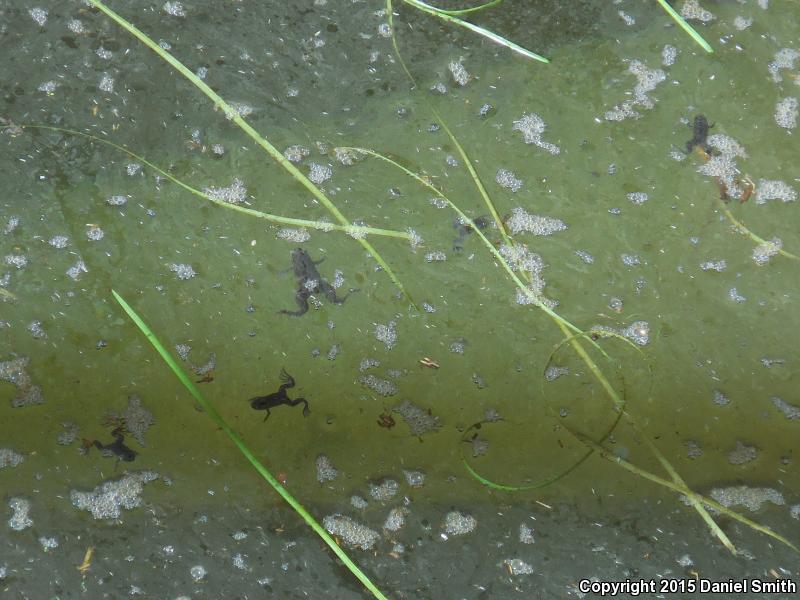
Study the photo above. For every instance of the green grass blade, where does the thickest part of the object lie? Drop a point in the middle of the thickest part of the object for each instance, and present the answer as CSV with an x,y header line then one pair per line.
x,y
234,437
274,153
685,26
744,230
497,39
355,230
466,11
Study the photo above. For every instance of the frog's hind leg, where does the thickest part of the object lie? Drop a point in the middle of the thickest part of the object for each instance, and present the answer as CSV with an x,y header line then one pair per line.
x,y
288,381
301,298
304,402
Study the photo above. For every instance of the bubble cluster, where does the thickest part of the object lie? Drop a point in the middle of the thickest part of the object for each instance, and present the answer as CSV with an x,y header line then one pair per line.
x,y
459,523
358,502
36,330
368,363
749,497
734,295
774,189
11,225
20,261
459,73
436,256
786,113
784,59
419,421
693,449
325,469
10,458
521,220
637,197
74,272
384,387
720,398
106,83
296,153
14,372
174,9
722,166
66,437
182,270
668,55
384,490
117,200
742,454
238,109
354,534
347,156
20,519
790,411
396,519
235,193
508,180
517,566
137,419
386,333
39,15
714,265
415,479
106,500
525,534
647,80
294,235
763,252
691,10
532,127
742,23
319,173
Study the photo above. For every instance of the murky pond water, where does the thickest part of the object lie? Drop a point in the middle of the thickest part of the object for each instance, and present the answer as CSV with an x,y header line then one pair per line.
x,y
616,227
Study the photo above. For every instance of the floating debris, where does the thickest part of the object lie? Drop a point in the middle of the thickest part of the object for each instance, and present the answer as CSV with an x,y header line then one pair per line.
x,y
750,498
419,421
741,23
20,519
352,533
106,500
348,157
325,469
459,523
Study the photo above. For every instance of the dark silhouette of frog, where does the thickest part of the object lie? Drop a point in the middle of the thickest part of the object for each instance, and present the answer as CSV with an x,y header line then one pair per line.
x,y
464,229
280,397
116,448
309,281
700,135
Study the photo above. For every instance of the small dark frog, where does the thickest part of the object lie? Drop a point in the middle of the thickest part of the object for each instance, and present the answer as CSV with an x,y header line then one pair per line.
x,y
116,448
280,397
700,135
309,281
464,229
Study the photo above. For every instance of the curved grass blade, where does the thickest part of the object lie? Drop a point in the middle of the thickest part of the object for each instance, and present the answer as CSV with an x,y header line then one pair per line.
x,y
354,230
742,229
490,35
231,114
248,454
466,11
685,26
681,488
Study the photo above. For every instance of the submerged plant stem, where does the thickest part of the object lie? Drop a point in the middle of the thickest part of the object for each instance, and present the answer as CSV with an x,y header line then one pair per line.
x,y
248,454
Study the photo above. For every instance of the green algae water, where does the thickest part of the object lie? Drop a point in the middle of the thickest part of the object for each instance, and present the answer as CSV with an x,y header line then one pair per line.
x,y
620,228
